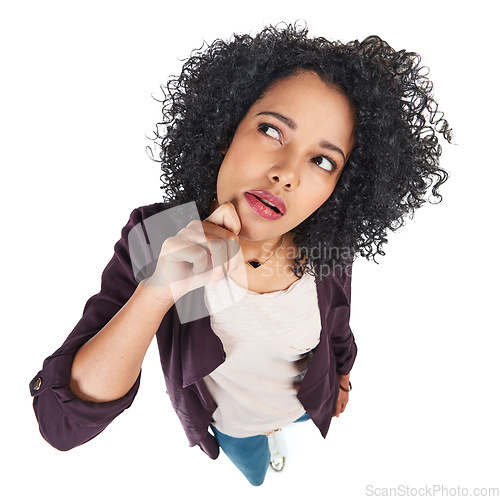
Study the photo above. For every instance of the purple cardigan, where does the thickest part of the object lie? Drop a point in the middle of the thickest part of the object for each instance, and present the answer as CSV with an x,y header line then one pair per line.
x,y
188,353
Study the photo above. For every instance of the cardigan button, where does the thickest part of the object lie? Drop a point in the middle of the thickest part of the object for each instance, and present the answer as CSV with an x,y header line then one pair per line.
x,y
37,384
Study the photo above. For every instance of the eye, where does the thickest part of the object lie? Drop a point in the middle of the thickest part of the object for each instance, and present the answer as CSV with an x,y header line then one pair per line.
x,y
325,163
269,130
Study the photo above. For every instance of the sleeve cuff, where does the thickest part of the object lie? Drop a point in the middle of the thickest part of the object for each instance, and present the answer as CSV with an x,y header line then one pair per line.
x,y
54,378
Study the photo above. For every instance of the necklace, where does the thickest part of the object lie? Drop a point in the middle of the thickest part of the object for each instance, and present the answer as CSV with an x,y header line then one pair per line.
x,y
256,263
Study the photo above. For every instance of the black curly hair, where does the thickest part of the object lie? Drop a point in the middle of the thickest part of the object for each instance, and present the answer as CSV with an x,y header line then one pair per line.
x,y
395,159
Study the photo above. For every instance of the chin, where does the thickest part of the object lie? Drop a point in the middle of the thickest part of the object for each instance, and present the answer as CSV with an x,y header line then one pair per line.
x,y
255,234
248,234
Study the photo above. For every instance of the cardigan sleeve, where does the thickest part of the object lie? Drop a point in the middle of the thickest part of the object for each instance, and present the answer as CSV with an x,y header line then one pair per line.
x,y
64,420
342,339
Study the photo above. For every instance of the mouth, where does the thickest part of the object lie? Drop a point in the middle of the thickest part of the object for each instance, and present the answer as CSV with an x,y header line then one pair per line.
x,y
269,204
270,200
263,208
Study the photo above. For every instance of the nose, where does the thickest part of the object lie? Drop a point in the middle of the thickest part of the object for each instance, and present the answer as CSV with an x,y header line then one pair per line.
x,y
286,170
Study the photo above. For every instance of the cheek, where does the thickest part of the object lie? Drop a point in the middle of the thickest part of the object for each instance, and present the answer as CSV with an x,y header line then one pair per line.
x,y
308,207
240,165
232,173
315,201
322,195
241,154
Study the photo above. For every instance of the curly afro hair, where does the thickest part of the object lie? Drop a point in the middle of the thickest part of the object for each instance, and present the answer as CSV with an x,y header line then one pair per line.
x,y
395,160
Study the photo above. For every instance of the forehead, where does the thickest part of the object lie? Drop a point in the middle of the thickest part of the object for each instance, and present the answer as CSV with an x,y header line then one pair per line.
x,y
311,103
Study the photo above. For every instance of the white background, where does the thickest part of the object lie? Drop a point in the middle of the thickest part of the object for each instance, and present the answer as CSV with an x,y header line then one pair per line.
x,y
76,108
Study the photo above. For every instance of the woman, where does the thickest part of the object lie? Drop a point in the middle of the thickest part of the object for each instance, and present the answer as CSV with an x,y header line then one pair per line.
x,y
299,154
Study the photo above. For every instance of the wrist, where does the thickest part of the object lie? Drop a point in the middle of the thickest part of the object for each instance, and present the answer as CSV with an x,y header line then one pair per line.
x,y
148,293
344,383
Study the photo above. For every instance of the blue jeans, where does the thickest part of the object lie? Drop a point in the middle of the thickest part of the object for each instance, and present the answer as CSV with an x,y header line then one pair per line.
x,y
251,454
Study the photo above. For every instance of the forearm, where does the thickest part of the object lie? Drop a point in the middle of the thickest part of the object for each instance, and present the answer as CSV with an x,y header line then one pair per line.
x,y
107,366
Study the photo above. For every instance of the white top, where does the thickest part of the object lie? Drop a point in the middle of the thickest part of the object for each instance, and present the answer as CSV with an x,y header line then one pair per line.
x,y
263,334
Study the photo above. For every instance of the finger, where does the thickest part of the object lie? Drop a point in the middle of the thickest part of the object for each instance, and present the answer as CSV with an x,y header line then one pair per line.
x,y
340,406
224,251
337,410
233,248
212,231
343,406
214,246
184,250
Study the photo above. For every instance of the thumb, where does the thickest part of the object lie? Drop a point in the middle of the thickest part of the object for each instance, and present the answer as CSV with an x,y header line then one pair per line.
x,y
225,215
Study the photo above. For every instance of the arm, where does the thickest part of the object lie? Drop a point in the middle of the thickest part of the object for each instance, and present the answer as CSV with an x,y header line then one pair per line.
x,y
342,339
65,419
106,367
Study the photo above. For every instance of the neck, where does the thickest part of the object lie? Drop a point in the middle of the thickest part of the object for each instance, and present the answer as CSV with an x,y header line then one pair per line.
x,y
261,250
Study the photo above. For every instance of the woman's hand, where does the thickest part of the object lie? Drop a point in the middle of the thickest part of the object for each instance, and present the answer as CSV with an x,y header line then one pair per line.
x,y
202,252
343,396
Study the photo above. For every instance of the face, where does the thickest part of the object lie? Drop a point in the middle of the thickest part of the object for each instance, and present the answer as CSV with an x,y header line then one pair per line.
x,y
294,143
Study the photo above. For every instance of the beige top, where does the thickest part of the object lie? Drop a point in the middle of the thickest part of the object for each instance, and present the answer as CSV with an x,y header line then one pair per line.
x,y
263,334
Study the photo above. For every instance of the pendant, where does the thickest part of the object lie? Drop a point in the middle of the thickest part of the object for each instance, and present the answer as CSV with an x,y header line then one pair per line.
x,y
255,263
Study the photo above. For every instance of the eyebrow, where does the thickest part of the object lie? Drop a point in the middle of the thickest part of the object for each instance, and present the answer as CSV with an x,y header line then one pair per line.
x,y
290,123
284,119
332,147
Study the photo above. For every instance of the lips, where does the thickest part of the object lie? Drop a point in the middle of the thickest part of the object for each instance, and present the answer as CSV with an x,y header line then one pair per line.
x,y
270,198
262,209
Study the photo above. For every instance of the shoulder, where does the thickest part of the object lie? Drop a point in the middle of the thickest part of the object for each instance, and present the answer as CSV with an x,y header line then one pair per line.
x,y
144,211
156,214
162,219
